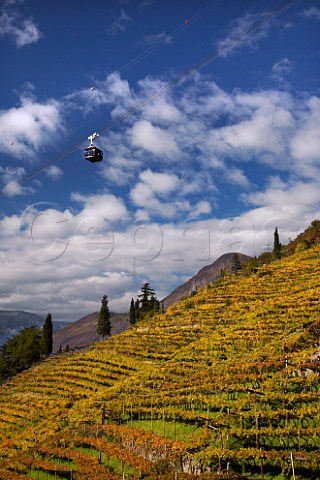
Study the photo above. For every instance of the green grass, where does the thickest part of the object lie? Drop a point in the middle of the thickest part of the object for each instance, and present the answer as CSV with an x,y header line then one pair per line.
x,y
41,475
113,464
168,429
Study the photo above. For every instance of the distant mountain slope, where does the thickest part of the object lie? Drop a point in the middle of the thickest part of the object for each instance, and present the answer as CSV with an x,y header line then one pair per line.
x,y
206,275
13,321
84,331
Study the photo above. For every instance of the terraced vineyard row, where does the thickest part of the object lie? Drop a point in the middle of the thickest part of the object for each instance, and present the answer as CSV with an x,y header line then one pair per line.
x,y
224,384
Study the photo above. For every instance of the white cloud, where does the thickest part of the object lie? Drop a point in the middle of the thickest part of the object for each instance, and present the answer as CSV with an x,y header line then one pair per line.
x,y
117,172
160,183
153,193
207,98
161,110
217,128
120,166
156,39
21,31
112,91
54,172
202,207
270,127
237,177
245,32
116,86
281,70
106,207
293,201
143,196
25,130
164,195
157,107
254,134
284,66
10,179
305,144
154,139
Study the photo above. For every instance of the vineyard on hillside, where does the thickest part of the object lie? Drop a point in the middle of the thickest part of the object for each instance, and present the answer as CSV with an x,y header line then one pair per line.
x,y
223,385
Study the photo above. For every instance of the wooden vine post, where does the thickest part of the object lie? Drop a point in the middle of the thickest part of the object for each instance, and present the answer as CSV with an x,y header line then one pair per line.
x,y
292,465
257,431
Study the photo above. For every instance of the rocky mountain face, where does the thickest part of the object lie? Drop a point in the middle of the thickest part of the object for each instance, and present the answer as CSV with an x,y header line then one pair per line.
x,y
206,275
84,331
13,321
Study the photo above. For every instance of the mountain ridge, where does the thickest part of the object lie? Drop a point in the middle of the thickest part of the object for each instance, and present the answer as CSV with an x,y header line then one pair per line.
x,y
205,275
83,332
13,321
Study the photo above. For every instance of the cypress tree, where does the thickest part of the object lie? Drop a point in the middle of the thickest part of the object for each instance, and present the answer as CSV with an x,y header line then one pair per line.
x,y
46,337
276,245
137,309
104,325
132,313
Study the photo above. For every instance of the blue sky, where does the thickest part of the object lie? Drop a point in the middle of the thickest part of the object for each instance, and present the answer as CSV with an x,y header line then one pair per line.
x,y
208,113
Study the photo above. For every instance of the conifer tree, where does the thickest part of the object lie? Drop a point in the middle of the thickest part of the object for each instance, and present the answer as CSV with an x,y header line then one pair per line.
x,y
104,325
46,337
137,309
154,304
132,313
20,352
276,245
147,303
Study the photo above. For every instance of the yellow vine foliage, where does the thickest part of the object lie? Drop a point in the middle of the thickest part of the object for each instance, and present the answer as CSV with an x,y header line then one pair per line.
x,y
226,380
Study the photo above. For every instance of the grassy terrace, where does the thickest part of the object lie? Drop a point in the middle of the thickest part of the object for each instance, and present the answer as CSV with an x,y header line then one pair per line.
x,y
224,384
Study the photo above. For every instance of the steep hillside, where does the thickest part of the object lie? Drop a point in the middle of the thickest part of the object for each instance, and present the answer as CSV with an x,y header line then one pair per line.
x,y
224,384
306,239
206,275
84,331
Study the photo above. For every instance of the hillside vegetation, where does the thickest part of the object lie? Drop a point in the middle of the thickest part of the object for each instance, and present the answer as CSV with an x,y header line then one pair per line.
x,y
224,384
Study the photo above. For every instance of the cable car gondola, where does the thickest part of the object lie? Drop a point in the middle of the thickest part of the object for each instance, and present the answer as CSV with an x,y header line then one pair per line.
x,y
92,153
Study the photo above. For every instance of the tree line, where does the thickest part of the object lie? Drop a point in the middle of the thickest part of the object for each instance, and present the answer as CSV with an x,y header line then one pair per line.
x,y
144,306
32,344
